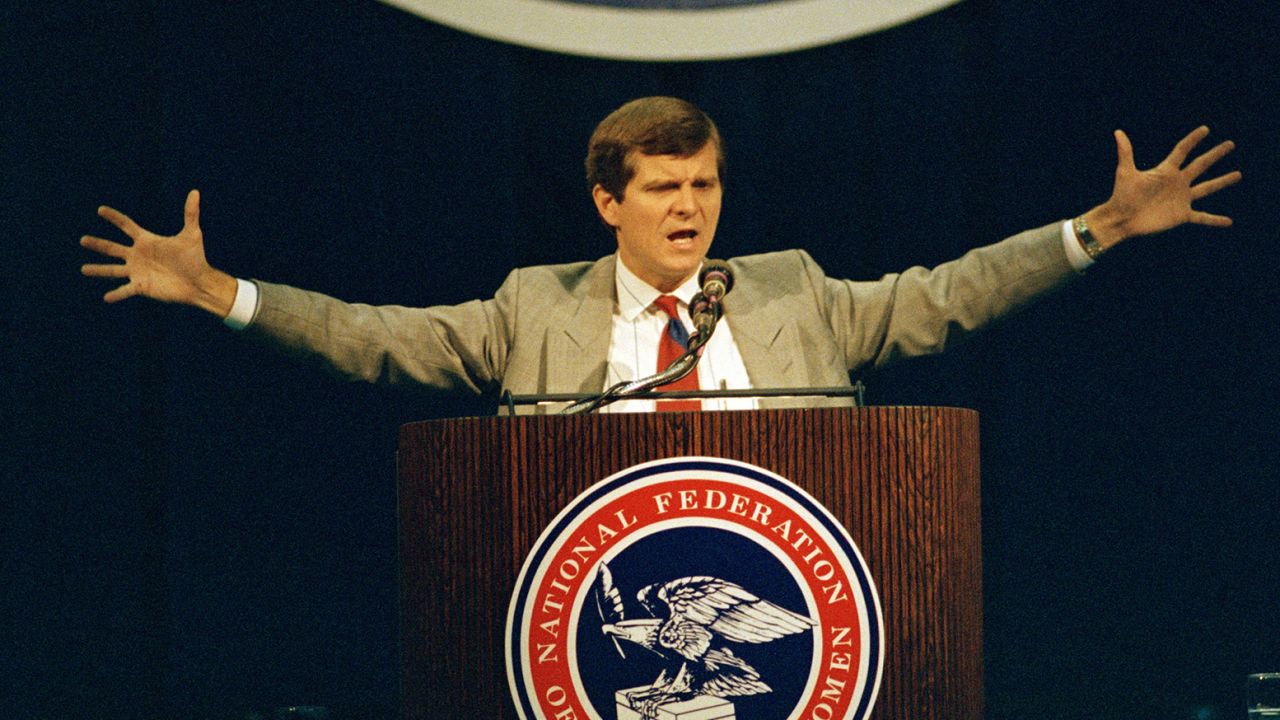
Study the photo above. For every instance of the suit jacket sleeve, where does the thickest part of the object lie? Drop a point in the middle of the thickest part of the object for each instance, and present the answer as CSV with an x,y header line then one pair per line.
x,y
475,346
448,348
923,311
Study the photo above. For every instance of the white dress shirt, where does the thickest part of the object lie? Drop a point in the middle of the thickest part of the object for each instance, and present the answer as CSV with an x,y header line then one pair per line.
x,y
637,329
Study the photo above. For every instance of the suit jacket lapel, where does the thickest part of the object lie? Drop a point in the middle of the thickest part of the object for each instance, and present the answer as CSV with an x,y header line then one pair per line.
x,y
578,351
766,337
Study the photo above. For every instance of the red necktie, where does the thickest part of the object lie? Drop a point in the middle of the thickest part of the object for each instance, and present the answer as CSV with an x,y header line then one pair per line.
x,y
670,347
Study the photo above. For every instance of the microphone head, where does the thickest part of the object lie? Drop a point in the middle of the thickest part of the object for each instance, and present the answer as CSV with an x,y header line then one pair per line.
x,y
716,279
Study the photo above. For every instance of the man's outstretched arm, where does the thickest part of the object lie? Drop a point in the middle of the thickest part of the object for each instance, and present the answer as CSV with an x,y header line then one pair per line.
x,y
169,268
443,347
921,311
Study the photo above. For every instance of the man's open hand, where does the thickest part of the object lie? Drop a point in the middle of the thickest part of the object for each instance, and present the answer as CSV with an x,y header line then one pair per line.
x,y
168,268
1144,202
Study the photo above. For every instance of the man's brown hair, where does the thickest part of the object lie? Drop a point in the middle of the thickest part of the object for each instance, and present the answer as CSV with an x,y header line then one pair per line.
x,y
652,126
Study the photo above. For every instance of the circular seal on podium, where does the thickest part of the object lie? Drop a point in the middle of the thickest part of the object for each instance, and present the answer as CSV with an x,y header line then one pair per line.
x,y
694,588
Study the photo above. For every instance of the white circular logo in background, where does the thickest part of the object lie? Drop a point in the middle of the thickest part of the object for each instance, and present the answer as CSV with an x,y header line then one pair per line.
x,y
694,587
670,29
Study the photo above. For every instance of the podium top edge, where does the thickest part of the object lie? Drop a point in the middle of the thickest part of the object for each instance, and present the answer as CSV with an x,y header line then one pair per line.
x,y
871,410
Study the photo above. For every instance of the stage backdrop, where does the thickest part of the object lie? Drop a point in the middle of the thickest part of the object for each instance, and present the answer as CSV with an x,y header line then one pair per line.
x,y
194,526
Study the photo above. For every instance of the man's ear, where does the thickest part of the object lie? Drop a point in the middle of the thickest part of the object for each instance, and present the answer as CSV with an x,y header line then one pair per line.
x,y
606,205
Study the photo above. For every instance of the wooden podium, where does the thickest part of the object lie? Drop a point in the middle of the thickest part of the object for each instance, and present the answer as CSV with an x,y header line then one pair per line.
x,y
475,493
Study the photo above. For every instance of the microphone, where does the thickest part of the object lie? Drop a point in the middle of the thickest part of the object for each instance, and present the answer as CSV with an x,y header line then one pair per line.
x,y
716,280
704,314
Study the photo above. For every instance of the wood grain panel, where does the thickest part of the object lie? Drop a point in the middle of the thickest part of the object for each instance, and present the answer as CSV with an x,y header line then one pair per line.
x,y
475,493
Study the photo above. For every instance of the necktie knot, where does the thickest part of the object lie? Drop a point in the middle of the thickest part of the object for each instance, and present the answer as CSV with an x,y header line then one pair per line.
x,y
667,304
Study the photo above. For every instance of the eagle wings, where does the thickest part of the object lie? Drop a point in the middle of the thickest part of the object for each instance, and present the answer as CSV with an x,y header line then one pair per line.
x,y
692,618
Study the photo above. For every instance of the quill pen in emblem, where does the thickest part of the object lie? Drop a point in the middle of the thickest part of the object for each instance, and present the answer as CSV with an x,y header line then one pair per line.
x,y
609,603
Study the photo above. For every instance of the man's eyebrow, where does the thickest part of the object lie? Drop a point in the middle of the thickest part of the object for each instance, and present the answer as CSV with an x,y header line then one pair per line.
x,y
660,182
671,181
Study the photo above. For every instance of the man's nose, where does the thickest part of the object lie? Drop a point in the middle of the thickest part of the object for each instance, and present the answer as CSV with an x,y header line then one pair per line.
x,y
686,203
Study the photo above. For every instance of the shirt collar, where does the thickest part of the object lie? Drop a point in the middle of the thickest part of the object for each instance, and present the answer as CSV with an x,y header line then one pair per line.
x,y
635,295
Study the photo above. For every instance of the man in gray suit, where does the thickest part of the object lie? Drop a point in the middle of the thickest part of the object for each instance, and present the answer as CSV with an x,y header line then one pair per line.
x,y
654,167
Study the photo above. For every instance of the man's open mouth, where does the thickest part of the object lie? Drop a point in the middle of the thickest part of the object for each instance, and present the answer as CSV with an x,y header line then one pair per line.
x,y
680,235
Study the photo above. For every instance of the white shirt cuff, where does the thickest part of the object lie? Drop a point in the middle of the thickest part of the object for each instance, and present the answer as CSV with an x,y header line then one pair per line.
x,y
1076,255
244,307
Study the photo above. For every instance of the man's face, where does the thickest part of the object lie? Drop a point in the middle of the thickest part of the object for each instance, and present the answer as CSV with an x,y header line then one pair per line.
x,y
667,219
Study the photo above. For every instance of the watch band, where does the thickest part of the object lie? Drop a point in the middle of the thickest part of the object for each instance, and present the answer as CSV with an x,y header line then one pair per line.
x,y
1088,242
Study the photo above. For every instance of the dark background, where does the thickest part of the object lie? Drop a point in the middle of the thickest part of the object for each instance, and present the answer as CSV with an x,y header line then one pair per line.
x,y
193,526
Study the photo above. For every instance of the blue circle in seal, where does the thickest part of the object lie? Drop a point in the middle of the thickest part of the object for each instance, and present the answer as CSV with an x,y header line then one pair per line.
x,y
783,663
522,593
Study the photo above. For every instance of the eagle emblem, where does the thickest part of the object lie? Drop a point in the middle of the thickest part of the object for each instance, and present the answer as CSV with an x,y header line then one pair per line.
x,y
693,624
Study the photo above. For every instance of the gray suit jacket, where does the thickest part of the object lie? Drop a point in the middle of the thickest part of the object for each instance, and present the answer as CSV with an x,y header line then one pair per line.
x,y
547,328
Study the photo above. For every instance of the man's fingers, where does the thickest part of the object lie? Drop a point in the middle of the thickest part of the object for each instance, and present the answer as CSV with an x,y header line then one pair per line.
x,y
191,211
1204,218
1209,187
100,270
1197,167
120,293
120,220
1124,150
106,247
1184,147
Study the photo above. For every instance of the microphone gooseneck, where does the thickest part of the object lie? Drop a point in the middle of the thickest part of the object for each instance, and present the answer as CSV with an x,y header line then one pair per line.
x,y
704,314
716,280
